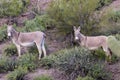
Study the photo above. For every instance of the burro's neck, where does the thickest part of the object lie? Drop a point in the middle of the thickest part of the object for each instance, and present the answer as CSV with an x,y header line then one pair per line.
x,y
81,36
15,34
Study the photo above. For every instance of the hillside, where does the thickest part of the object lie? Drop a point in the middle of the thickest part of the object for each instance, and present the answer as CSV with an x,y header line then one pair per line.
x,y
53,43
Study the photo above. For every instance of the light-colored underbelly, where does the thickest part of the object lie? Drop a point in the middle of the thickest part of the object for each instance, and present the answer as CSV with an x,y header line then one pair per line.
x,y
27,44
92,48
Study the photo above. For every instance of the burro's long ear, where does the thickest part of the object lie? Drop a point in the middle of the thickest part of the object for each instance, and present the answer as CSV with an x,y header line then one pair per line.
x,y
79,28
74,28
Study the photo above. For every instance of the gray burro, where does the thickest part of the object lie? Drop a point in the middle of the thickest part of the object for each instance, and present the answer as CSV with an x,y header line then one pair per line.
x,y
92,42
21,39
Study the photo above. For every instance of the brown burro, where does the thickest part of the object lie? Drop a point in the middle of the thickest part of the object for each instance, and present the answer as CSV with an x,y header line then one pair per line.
x,y
92,42
21,39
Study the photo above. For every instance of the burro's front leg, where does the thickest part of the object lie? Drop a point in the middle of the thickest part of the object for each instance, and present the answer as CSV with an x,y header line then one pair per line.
x,y
19,50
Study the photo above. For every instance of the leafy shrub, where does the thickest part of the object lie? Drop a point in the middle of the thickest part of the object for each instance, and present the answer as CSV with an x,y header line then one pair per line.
x,y
98,73
114,45
3,33
28,61
12,7
75,61
85,78
104,2
48,62
65,15
109,23
17,74
10,50
117,36
36,24
43,77
116,16
7,64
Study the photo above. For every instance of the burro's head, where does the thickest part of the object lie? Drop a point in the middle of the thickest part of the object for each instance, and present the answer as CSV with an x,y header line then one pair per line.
x,y
76,32
9,30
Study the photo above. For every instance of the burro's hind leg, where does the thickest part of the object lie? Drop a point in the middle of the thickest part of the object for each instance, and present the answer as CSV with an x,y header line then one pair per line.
x,y
39,49
43,47
107,52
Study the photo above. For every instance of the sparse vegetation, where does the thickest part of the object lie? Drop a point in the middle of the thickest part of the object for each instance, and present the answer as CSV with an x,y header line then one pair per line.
x,y
76,61
28,61
7,64
17,74
3,35
43,77
10,50
85,78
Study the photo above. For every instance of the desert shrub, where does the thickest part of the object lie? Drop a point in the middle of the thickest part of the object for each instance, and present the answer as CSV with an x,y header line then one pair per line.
x,y
116,16
12,7
43,77
17,74
7,64
85,78
114,45
98,73
104,3
33,49
3,33
109,23
75,61
28,61
36,24
117,36
65,15
47,62
10,50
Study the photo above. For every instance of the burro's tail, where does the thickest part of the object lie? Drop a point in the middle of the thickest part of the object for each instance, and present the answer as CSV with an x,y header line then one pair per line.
x,y
114,45
44,35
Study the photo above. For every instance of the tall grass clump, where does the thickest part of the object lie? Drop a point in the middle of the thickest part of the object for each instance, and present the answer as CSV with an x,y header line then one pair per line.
x,y
10,50
28,61
17,74
76,61
3,33
7,64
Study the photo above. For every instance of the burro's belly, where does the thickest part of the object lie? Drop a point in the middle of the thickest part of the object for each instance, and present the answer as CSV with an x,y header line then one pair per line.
x,y
27,44
92,48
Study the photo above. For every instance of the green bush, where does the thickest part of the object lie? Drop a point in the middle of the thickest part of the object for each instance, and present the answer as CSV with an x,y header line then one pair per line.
x,y
98,73
34,25
75,61
109,23
3,33
85,78
43,77
65,15
28,61
12,7
114,45
17,74
117,36
10,50
104,3
7,64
